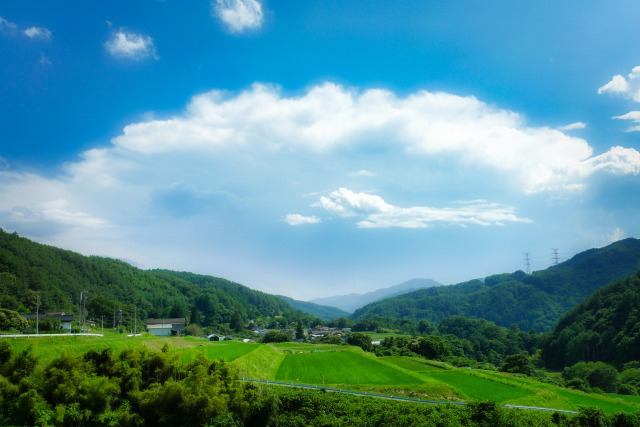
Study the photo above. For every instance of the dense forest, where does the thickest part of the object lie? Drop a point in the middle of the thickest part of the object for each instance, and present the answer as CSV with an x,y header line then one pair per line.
x,y
32,273
604,327
536,300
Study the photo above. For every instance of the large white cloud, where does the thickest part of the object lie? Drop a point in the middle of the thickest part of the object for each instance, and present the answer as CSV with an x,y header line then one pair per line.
x,y
238,15
329,118
374,212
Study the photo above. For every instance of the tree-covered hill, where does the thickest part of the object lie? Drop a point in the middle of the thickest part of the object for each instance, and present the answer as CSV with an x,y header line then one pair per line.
x,y
536,300
323,312
604,327
29,269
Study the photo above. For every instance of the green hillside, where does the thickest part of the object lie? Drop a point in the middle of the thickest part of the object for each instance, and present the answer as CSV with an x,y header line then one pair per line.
x,y
536,300
323,312
29,269
604,327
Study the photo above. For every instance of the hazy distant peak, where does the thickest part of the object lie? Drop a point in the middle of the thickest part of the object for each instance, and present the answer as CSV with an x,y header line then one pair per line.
x,y
351,302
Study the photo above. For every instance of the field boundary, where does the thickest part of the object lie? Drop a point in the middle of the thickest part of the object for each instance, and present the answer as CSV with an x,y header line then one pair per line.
x,y
51,335
390,397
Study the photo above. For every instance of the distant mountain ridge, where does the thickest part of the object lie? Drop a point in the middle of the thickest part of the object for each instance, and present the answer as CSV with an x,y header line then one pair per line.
x,y
324,312
536,300
351,302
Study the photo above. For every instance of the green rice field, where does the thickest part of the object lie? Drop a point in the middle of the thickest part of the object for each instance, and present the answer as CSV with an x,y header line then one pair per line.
x,y
346,367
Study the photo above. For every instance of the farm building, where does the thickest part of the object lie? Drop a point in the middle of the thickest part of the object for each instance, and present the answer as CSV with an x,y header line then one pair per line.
x,y
65,319
166,327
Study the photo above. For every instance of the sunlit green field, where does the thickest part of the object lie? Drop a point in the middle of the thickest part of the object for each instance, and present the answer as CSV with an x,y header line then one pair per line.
x,y
345,367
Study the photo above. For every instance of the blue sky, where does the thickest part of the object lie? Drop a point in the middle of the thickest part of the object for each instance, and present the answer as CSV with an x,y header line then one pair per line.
x,y
317,148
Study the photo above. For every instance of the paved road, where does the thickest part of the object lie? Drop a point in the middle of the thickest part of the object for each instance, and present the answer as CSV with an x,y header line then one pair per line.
x,y
386,396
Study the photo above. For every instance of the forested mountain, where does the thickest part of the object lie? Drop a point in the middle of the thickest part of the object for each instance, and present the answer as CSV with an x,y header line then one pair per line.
x,y
28,269
351,302
604,327
536,300
323,312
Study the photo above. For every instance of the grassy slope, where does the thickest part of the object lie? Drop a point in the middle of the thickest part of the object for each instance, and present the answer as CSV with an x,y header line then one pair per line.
x,y
349,367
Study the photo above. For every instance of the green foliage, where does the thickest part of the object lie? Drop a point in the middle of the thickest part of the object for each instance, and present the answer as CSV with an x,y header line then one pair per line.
x,y
517,364
605,327
431,347
276,336
361,340
598,375
536,300
10,319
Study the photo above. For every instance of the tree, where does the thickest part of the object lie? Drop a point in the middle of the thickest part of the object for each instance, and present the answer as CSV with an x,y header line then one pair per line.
x,y
299,331
431,347
236,322
275,336
517,364
361,340
12,320
195,315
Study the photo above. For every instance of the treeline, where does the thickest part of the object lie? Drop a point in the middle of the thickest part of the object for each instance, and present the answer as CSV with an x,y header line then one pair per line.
x,y
457,339
139,388
32,274
536,300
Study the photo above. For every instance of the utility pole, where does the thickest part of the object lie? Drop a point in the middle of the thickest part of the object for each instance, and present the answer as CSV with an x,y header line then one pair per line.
x,y
114,315
555,257
37,312
135,321
527,262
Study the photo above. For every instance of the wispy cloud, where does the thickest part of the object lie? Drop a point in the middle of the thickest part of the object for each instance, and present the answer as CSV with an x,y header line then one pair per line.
x,y
374,212
633,116
7,27
130,45
363,172
573,126
238,15
297,219
38,33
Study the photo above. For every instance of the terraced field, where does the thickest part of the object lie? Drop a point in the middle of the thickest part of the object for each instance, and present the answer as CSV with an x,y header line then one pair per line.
x,y
350,368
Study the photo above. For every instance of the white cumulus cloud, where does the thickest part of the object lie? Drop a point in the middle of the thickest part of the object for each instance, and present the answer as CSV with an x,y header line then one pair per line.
x,y
238,15
628,87
374,212
297,219
130,45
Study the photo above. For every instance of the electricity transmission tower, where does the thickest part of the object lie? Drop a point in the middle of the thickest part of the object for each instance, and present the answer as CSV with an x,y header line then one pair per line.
x,y
527,262
555,257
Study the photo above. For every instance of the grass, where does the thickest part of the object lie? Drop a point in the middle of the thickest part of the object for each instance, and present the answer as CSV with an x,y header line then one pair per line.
x,y
413,364
476,388
346,367
261,363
